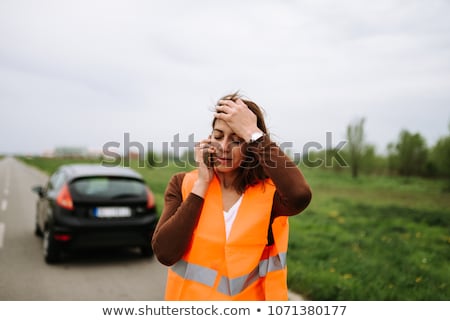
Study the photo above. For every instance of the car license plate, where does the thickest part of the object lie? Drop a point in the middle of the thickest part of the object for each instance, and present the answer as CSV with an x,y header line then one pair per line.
x,y
112,212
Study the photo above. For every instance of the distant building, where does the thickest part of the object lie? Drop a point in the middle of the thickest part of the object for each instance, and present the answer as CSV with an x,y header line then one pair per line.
x,y
71,152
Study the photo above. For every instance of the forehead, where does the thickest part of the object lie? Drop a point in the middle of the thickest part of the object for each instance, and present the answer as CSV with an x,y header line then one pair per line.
x,y
222,126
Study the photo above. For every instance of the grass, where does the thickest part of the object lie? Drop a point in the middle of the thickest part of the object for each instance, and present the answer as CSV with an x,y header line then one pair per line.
x,y
373,238
49,165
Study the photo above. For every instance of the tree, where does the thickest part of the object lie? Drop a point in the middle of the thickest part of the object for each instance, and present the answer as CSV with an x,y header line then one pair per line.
x,y
409,155
355,145
440,158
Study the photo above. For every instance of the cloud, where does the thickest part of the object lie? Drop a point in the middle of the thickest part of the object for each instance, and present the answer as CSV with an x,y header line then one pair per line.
x,y
155,68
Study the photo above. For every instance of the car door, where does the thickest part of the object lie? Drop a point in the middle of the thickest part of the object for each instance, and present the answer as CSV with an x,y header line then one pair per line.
x,y
50,193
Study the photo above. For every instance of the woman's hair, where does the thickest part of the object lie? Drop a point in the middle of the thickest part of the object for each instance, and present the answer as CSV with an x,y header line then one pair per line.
x,y
250,171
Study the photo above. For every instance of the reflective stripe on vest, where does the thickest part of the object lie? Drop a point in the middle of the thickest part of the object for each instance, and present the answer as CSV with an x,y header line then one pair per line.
x,y
229,286
195,272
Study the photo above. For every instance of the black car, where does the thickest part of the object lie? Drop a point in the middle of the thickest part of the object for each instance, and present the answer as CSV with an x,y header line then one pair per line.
x,y
86,206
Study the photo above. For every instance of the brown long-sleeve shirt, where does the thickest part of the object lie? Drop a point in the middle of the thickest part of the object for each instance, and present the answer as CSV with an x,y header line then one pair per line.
x,y
179,218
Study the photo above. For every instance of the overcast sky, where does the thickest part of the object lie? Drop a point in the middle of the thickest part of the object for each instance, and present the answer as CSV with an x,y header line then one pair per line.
x,y
84,72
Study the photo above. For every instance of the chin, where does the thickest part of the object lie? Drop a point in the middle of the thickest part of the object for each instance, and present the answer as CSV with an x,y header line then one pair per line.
x,y
225,169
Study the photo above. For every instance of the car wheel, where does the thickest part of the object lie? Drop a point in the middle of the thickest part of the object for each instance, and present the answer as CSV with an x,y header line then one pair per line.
x,y
38,231
51,249
146,251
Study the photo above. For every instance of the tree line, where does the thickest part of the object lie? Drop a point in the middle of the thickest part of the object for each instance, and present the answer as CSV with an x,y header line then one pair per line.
x,y
408,156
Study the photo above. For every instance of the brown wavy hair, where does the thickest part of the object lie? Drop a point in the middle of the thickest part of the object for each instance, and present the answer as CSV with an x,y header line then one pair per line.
x,y
251,171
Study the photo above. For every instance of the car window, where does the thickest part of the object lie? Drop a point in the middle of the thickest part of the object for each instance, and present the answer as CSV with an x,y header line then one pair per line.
x,y
108,187
56,181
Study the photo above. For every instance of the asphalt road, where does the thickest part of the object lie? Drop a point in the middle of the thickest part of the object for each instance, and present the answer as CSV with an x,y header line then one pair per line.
x,y
95,275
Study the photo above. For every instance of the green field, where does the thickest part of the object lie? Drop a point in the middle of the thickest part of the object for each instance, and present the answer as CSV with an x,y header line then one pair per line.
x,y
373,238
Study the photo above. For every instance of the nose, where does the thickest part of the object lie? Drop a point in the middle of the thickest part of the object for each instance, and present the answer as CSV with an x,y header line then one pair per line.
x,y
225,145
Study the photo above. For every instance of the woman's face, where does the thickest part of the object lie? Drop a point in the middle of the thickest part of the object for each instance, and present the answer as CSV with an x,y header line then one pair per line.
x,y
229,147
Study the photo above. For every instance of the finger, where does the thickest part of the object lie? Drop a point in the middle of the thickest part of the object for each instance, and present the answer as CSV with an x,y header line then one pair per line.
x,y
204,141
222,116
227,102
206,147
224,109
240,102
203,146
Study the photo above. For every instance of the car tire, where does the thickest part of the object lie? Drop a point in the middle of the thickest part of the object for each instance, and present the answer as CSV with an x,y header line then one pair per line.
x,y
38,231
50,248
146,250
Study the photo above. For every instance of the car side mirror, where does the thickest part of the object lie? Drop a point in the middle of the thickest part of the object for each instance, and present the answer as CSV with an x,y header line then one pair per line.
x,y
39,190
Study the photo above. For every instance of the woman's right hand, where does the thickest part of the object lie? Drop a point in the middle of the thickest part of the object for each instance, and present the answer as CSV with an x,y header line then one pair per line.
x,y
205,172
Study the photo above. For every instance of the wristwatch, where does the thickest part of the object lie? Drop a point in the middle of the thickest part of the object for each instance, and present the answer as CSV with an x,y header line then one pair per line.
x,y
255,137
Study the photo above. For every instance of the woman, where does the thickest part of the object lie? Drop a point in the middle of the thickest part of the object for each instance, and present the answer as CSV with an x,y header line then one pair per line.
x,y
224,228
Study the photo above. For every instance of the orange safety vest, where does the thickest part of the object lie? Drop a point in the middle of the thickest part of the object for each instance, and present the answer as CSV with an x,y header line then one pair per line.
x,y
244,267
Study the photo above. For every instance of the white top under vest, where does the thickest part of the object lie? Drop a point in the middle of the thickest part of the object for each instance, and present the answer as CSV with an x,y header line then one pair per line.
x,y
230,215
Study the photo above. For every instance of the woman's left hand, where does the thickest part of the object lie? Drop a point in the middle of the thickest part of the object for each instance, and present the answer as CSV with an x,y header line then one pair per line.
x,y
238,116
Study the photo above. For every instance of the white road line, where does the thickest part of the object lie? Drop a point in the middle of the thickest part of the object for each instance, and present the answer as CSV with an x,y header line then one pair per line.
x,y
7,178
2,233
4,205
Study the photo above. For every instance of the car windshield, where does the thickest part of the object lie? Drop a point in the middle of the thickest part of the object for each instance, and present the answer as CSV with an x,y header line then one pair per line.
x,y
108,187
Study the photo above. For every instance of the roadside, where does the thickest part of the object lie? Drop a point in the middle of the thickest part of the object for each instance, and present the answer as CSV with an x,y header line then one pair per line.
x,y
295,296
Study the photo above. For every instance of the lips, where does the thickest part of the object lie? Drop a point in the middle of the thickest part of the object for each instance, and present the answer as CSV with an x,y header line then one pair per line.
x,y
224,159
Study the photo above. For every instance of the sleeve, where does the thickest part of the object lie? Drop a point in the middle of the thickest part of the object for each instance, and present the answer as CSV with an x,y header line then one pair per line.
x,y
293,193
174,230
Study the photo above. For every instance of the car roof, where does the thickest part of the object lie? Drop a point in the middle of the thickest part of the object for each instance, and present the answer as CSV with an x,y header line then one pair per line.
x,y
74,171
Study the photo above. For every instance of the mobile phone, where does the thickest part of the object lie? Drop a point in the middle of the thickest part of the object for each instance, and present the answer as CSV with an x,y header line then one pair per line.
x,y
208,159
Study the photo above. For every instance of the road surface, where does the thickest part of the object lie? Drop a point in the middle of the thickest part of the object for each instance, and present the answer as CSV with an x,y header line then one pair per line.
x,y
96,275
84,276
